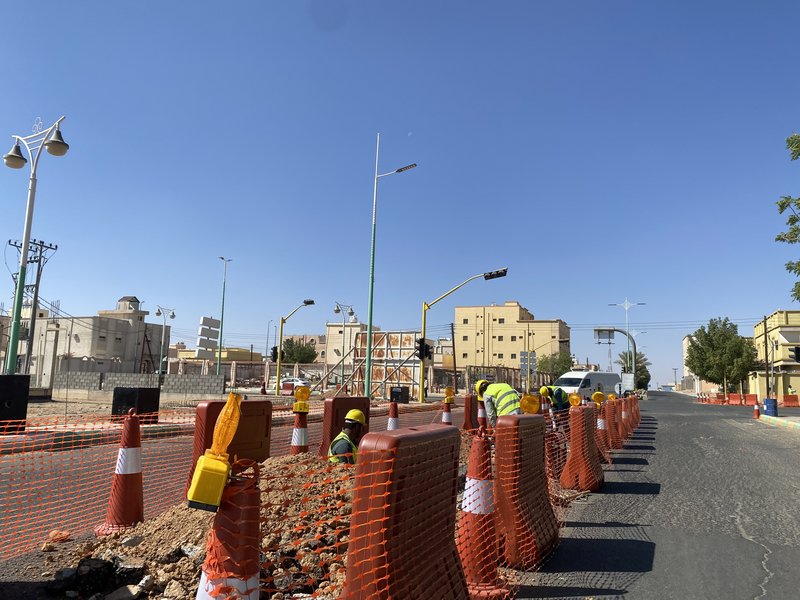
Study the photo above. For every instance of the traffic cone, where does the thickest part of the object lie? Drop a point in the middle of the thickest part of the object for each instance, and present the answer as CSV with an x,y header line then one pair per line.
x,y
126,504
447,415
300,433
231,567
756,413
477,538
482,420
394,417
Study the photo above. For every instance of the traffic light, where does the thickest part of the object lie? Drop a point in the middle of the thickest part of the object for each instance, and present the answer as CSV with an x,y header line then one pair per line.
x,y
420,352
428,351
794,353
274,354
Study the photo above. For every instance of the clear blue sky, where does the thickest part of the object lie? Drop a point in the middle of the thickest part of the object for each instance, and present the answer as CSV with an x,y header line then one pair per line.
x,y
598,149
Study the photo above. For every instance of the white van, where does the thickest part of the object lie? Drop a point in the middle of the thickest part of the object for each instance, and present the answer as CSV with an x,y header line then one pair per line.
x,y
586,383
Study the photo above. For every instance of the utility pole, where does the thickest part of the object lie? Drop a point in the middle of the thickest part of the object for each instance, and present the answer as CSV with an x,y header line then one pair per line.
x,y
36,249
675,373
766,359
455,370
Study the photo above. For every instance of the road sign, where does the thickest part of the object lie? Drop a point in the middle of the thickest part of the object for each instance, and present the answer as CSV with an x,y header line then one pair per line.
x,y
627,382
207,338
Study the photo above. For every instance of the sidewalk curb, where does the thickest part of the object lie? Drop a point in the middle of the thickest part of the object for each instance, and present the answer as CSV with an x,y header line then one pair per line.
x,y
779,422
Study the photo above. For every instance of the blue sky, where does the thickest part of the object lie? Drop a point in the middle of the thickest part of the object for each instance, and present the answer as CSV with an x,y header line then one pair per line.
x,y
598,149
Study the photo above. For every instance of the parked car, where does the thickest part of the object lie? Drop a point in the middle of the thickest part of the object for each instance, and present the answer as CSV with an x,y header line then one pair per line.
x,y
295,381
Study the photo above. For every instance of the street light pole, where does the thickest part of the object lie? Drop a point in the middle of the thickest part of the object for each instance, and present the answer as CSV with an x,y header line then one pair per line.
x,y
307,302
339,308
162,312
225,262
627,305
368,366
51,139
425,306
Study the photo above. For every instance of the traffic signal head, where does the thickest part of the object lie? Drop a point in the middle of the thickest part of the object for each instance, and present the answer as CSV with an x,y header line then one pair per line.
x,y
420,351
794,353
274,354
428,351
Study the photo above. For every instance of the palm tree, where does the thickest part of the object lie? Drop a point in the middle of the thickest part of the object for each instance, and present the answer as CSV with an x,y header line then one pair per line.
x,y
624,361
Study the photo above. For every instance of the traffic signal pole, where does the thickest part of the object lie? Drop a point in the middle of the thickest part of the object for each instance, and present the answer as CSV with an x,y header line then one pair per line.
x,y
422,353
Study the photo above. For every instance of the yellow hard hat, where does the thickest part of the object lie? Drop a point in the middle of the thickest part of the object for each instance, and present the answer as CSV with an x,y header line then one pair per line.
x,y
355,416
478,385
598,397
544,391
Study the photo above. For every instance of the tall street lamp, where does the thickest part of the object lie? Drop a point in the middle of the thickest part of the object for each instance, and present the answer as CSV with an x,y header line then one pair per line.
x,y
225,262
340,308
426,305
52,141
162,312
368,367
307,302
627,305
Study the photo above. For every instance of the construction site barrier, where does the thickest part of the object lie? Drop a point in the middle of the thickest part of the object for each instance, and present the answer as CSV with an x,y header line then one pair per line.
x,y
527,524
556,442
402,533
751,399
582,471
601,434
610,411
470,412
333,418
735,399
791,400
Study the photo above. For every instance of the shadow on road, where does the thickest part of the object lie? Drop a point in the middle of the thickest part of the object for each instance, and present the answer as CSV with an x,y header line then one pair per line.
x,y
605,555
630,487
629,460
634,447
546,591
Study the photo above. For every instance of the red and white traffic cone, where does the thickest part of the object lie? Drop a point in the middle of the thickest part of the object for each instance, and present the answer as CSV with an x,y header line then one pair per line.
x,y
482,420
447,415
477,538
231,567
394,417
126,504
299,433
756,413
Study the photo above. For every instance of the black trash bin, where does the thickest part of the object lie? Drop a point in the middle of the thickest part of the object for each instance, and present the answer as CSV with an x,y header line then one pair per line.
x,y
13,403
144,400
399,394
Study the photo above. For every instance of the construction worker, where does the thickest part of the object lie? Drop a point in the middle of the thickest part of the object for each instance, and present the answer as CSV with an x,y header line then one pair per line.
x,y
344,447
558,398
498,399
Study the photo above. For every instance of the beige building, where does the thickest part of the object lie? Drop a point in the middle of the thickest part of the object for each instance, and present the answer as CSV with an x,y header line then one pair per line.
x,y
496,335
782,336
318,341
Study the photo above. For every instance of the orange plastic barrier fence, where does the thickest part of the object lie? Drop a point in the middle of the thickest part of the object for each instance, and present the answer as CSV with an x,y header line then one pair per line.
x,y
556,442
470,412
610,411
527,523
751,399
582,471
791,400
333,418
601,435
734,399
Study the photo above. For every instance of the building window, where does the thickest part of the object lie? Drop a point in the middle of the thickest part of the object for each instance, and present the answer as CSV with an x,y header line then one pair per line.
x,y
501,321
499,338
465,321
513,338
464,338
118,340
102,338
513,356
464,355
500,355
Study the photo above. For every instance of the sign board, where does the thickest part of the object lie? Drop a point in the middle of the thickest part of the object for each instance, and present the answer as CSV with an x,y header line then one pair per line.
x,y
204,354
209,322
523,361
207,338
603,336
627,382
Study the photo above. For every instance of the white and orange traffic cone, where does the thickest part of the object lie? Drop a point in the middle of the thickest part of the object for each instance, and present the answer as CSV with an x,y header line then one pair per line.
x,y
231,567
756,413
126,504
447,415
300,433
394,417
483,422
477,538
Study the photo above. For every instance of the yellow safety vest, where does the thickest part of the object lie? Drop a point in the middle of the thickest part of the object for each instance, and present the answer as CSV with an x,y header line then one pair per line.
x,y
338,458
506,399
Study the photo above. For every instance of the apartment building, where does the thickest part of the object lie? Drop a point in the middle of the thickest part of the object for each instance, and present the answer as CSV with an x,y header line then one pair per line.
x,y
775,341
496,335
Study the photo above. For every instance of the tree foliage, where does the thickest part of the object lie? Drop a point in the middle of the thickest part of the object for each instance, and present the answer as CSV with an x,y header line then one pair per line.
x,y
298,352
554,364
717,353
642,372
792,234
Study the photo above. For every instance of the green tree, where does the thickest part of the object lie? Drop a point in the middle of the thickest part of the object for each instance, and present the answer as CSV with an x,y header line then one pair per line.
x,y
554,364
298,352
642,373
791,235
717,353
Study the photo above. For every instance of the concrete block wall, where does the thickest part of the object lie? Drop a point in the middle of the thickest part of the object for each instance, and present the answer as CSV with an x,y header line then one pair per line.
x,y
194,384
77,380
112,380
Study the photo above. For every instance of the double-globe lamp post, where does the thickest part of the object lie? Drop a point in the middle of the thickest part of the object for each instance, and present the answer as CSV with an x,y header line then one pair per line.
x,y
368,367
162,312
422,352
307,302
340,308
52,141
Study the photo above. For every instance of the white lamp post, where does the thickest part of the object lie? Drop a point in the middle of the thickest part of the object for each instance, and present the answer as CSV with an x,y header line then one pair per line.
x,y
627,305
162,312
340,308
52,141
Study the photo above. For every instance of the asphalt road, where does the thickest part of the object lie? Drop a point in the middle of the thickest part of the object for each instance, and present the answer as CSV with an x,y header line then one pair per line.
x,y
703,502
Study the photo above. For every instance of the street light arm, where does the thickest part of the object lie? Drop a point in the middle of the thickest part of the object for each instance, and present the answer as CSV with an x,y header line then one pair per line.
x,y
30,141
462,284
286,318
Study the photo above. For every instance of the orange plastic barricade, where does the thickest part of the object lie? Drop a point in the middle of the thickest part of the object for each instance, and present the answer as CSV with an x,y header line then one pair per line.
x,y
402,531
601,434
252,437
751,399
621,431
790,400
527,523
610,411
555,439
582,471
470,412
333,418
734,399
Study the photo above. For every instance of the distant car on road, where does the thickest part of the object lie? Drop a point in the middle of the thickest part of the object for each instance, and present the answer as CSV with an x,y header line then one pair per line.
x,y
295,381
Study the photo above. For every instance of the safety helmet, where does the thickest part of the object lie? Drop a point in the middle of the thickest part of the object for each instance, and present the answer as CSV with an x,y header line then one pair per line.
x,y
479,385
544,391
355,416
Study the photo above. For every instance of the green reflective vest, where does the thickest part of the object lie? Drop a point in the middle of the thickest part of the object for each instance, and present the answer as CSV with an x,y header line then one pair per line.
x,y
506,399
339,458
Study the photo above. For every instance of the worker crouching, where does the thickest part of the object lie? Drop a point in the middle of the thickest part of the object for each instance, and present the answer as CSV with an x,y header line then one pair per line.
x,y
344,447
499,399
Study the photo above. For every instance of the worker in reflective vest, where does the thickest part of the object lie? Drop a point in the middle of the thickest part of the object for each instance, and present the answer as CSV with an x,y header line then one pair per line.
x,y
498,399
558,397
344,447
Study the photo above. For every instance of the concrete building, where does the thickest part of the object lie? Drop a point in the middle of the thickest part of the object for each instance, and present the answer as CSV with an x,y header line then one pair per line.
x,y
117,341
340,340
318,341
774,347
496,335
